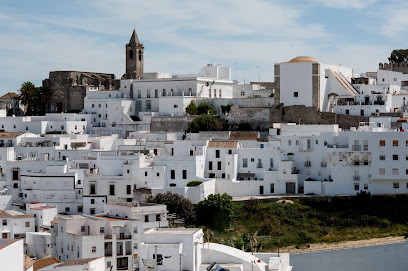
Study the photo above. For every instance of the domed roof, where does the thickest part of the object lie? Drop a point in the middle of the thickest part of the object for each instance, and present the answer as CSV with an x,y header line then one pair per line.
x,y
300,59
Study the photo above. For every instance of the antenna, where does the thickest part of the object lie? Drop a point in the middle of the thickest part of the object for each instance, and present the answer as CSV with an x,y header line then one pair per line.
x,y
259,75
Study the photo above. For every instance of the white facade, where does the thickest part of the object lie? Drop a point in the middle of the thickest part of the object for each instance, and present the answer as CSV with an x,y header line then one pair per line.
x,y
12,255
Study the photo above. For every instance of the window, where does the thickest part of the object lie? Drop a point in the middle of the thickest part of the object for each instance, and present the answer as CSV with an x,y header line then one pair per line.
x,y
92,189
112,189
217,153
395,143
102,229
219,165
382,157
382,143
184,174
406,143
289,142
82,228
172,174
158,174
272,188
365,186
128,189
252,159
62,229
347,112
15,175
395,185
108,264
134,230
4,222
92,201
92,211
295,94
242,93
245,162
356,187
67,209
93,105
271,163
176,106
395,157
395,171
210,165
15,185
27,224
79,181
146,218
145,173
135,246
159,259
381,171
158,217
93,249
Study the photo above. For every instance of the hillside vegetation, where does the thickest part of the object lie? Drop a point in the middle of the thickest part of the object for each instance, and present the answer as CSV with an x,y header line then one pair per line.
x,y
312,221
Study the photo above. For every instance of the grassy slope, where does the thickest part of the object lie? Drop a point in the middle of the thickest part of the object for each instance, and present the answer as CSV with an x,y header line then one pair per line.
x,y
311,221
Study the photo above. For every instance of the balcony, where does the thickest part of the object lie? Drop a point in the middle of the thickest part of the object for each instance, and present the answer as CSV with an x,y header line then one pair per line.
x,y
356,148
259,165
123,236
356,178
323,164
295,171
308,164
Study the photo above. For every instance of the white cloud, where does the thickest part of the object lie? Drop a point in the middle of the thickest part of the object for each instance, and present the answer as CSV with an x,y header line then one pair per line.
x,y
396,20
344,4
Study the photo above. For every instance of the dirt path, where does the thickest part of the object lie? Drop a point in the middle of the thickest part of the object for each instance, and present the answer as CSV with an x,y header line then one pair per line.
x,y
346,244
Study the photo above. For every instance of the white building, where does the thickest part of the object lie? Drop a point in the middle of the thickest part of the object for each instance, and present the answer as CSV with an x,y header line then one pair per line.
x,y
306,81
15,224
12,255
94,264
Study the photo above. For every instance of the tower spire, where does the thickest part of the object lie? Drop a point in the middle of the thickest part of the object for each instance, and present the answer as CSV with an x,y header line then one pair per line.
x,y
134,39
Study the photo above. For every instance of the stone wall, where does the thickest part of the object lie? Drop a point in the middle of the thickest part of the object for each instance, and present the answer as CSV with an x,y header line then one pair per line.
x,y
396,67
170,124
68,88
257,117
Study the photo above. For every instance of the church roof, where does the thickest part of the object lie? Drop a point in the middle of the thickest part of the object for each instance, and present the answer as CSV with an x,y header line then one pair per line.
x,y
134,39
300,59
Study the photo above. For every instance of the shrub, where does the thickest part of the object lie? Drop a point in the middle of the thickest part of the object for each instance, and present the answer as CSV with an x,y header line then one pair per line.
x,y
191,109
182,207
215,211
194,183
207,123
203,109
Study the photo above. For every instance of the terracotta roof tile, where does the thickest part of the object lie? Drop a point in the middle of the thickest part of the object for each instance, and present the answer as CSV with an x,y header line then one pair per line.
x,y
10,135
10,95
5,242
28,262
244,135
223,144
41,263
78,262
4,214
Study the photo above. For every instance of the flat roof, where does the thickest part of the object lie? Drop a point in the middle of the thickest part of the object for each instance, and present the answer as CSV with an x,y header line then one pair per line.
x,y
172,231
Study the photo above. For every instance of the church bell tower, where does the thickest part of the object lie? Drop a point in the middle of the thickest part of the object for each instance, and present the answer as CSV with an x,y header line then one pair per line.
x,y
134,58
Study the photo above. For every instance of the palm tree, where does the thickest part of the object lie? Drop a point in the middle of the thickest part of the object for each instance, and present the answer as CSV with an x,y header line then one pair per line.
x,y
28,96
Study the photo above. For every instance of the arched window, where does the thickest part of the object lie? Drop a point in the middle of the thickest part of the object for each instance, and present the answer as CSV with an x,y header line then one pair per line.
x,y
140,55
131,54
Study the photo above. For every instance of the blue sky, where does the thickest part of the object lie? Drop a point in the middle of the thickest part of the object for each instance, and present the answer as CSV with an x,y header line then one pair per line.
x,y
182,36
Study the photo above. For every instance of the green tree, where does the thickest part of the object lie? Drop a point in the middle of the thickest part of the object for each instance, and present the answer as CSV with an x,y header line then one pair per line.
x,y
28,97
206,123
215,211
226,109
43,95
182,207
203,109
399,56
191,109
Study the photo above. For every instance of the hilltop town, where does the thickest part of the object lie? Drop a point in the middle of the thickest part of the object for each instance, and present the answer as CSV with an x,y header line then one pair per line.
x,y
80,166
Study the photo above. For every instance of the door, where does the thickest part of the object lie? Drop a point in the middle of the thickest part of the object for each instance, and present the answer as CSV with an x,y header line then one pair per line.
x,y
290,188
261,190
59,107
